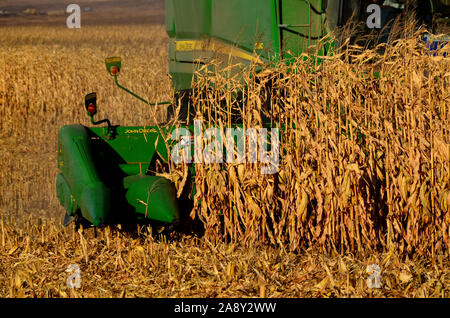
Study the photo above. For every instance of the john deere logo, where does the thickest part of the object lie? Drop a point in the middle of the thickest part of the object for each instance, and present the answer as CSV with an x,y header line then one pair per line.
x,y
140,131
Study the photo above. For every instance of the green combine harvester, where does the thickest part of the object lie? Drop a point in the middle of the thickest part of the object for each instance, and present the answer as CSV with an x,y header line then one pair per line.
x,y
105,171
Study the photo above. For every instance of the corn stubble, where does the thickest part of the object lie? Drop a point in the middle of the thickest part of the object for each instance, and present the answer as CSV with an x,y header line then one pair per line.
x,y
363,175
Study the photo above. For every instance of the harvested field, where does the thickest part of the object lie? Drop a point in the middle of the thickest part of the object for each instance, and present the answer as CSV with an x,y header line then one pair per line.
x,y
363,179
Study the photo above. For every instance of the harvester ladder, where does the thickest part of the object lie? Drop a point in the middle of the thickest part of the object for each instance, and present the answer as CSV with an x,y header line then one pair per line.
x,y
288,27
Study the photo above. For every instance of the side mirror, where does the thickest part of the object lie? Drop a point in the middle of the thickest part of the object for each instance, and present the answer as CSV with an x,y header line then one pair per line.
x,y
90,102
113,65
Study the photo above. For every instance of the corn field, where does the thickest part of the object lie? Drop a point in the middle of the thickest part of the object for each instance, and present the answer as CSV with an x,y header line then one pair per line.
x,y
363,176
365,158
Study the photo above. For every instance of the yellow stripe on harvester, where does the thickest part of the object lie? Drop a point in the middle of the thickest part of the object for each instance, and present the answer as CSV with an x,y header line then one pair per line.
x,y
208,45
112,59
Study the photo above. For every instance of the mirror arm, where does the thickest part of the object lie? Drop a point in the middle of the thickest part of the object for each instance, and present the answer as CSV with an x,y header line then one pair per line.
x,y
109,130
138,97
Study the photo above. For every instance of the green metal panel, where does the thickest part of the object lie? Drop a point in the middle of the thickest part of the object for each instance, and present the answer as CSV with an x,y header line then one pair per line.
x,y
153,197
170,19
245,23
64,194
192,18
94,168
131,145
266,28
300,22
76,163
